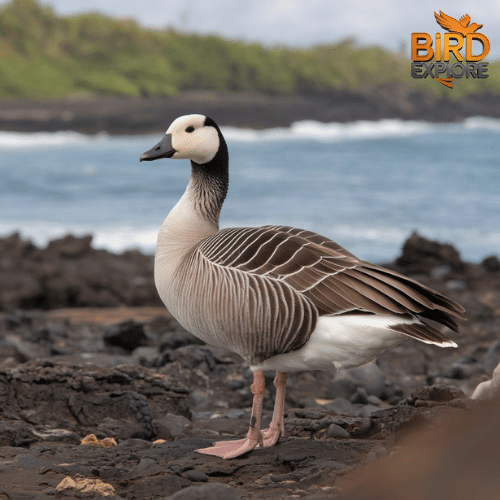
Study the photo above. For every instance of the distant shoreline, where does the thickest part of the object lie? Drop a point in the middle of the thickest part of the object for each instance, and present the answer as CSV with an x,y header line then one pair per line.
x,y
122,115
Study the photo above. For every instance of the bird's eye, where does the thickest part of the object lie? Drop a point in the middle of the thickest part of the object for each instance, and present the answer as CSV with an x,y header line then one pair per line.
x,y
190,129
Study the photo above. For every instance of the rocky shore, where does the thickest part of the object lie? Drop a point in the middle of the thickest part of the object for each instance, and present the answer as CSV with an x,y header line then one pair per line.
x,y
103,394
115,115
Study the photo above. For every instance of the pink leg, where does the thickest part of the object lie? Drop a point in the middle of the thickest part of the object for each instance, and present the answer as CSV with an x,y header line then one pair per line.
x,y
232,449
277,428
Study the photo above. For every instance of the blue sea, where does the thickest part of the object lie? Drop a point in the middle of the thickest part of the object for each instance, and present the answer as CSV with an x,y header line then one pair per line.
x,y
367,185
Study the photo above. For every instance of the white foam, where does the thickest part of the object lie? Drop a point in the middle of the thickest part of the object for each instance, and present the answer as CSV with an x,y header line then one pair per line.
x,y
482,123
118,239
115,238
331,132
370,233
16,140
358,130
306,130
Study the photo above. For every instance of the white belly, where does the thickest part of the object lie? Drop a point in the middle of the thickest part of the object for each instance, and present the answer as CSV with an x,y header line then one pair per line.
x,y
340,342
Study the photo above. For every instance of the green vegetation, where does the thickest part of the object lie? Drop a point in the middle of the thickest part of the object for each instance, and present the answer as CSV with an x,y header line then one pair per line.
x,y
46,56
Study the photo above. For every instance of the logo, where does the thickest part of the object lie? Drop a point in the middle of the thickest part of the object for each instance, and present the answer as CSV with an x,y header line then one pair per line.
x,y
460,34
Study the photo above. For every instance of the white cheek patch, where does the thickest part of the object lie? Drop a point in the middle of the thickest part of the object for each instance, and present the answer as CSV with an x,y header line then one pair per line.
x,y
206,148
201,146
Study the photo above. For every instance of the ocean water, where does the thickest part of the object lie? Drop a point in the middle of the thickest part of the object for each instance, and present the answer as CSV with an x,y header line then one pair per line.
x,y
367,185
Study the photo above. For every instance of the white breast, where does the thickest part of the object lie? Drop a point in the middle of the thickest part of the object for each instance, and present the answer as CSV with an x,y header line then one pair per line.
x,y
180,232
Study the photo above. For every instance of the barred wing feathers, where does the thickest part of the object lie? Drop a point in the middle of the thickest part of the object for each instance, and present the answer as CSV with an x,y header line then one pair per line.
x,y
331,278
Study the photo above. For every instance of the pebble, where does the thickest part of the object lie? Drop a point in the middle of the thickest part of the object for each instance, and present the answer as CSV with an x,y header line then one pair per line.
x,y
196,476
374,400
144,355
456,285
393,400
335,431
209,491
341,406
463,371
360,397
237,413
172,426
366,410
134,442
234,385
370,377
147,467
199,400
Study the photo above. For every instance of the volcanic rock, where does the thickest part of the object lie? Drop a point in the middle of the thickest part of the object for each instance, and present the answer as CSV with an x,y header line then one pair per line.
x,y
421,255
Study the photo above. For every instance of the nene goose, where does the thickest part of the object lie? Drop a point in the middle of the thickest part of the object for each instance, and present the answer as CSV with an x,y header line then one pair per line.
x,y
284,299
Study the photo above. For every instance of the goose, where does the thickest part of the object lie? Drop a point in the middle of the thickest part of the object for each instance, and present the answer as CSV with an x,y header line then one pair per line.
x,y
284,299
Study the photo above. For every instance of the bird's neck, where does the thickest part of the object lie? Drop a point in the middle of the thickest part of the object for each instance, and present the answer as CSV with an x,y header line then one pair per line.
x,y
196,215
208,187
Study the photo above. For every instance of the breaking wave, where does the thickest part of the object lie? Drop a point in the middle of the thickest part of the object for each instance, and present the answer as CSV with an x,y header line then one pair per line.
x,y
307,130
359,130
15,140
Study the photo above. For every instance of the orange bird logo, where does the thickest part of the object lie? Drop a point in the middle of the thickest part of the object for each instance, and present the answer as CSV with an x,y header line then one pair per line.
x,y
451,24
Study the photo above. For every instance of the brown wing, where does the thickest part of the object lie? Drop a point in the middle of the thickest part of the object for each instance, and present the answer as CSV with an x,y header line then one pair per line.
x,y
332,278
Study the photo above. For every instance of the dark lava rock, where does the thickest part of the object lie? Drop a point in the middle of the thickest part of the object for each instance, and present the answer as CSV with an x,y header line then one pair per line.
x,y
180,339
145,468
70,273
63,399
129,335
420,255
70,246
491,263
437,393
122,414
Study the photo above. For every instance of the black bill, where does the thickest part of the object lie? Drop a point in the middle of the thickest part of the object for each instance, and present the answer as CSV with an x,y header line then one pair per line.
x,y
163,149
